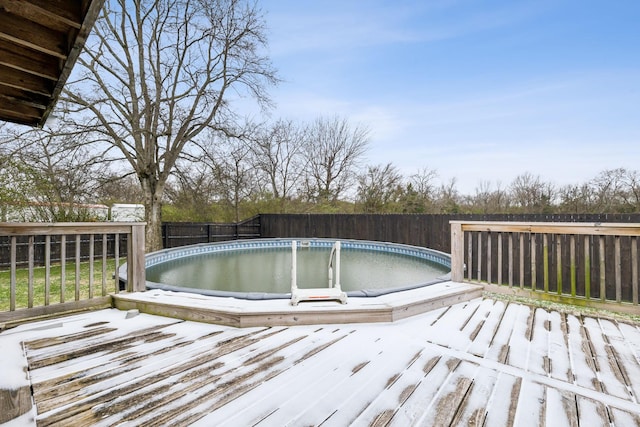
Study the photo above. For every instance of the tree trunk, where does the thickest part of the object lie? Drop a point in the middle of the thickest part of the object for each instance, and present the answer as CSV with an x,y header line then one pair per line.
x,y
153,217
152,214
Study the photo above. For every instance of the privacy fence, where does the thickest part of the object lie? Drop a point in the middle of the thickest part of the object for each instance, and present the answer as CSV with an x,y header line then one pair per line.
x,y
432,231
189,233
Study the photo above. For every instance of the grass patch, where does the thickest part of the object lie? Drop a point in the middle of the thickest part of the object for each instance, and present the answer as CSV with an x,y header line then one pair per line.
x,y
55,292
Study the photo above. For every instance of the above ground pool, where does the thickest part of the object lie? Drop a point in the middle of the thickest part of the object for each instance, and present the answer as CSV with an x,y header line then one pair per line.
x,y
262,268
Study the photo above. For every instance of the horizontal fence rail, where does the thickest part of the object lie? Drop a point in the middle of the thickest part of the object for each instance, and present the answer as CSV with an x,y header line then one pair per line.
x,y
590,264
77,267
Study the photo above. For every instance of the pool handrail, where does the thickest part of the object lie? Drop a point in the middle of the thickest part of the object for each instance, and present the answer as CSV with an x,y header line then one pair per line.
x,y
333,292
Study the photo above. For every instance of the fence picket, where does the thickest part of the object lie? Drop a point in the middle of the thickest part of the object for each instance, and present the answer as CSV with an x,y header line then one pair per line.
x,y
77,269
587,267
603,289
634,270
12,279
91,255
104,265
618,269
30,275
47,270
63,267
572,264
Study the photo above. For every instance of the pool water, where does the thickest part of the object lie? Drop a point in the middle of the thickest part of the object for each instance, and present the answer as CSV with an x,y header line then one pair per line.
x,y
269,270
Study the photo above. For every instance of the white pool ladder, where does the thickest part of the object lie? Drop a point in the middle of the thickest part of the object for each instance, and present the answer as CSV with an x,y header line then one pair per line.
x,y
331,292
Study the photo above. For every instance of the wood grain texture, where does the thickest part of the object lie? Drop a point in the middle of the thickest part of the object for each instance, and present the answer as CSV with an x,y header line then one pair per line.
x,y
480,362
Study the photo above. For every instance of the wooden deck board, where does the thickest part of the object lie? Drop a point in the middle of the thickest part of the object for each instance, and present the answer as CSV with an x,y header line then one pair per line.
x,y
481,362
608,371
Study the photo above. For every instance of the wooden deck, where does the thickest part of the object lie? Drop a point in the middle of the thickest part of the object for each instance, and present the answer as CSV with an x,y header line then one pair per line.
x,y
279,312
479,363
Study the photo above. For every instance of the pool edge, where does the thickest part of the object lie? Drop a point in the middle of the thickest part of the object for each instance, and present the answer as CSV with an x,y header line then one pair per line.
x,y
232,312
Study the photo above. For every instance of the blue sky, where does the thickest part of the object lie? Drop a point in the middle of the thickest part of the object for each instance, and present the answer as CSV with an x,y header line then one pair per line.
x,y
478,90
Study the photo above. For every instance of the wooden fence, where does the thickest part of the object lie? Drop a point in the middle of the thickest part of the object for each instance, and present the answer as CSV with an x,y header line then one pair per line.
x,y
73,243
585,264
569,264
426,230
38,245
187,233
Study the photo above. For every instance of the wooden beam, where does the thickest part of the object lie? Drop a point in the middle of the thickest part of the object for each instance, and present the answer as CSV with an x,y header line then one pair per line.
x,y
18,96
29,61
605,229
57,15
25,315
59,228
18,119
33,36
17,109
24,81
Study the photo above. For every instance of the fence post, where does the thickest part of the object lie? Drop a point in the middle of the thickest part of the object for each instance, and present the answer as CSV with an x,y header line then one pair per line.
x,y
165,234
136,273
457,251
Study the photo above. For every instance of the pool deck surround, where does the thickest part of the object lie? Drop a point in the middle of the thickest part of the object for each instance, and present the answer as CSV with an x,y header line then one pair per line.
x,y
279,312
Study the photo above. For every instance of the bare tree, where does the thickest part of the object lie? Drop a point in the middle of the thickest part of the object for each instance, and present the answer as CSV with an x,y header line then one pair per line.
x,y
156,73
489,200
333,151
576,198
448,197
231,163
531,194
633,189
192,192
278,154
615,190
420,192
378,187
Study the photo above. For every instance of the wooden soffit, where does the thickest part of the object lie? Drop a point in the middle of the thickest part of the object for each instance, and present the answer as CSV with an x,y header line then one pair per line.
x,y
40,41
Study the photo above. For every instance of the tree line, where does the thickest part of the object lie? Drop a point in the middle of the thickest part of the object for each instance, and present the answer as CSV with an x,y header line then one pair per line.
x,y
152,115
286,167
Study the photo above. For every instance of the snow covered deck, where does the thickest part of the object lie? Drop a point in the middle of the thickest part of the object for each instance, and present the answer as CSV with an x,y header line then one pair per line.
x,y
279,312
480,362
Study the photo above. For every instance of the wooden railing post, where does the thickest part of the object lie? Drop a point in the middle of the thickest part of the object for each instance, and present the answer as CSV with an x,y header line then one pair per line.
x,y
135,265
457,251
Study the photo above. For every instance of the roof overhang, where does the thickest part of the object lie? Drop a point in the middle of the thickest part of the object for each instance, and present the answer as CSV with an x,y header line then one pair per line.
x,y
40,41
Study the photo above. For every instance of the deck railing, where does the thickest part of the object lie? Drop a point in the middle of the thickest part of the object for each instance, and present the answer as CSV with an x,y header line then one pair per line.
x,y
79,270
588,264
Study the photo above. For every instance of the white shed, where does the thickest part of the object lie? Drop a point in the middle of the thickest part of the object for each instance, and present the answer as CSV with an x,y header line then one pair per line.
x,y
124,212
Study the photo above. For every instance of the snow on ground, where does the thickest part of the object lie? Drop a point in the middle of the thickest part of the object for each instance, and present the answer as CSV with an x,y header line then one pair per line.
x,y
482,361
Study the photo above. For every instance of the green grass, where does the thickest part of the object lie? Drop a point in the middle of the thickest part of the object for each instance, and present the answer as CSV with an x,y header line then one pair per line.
x,y
22,284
